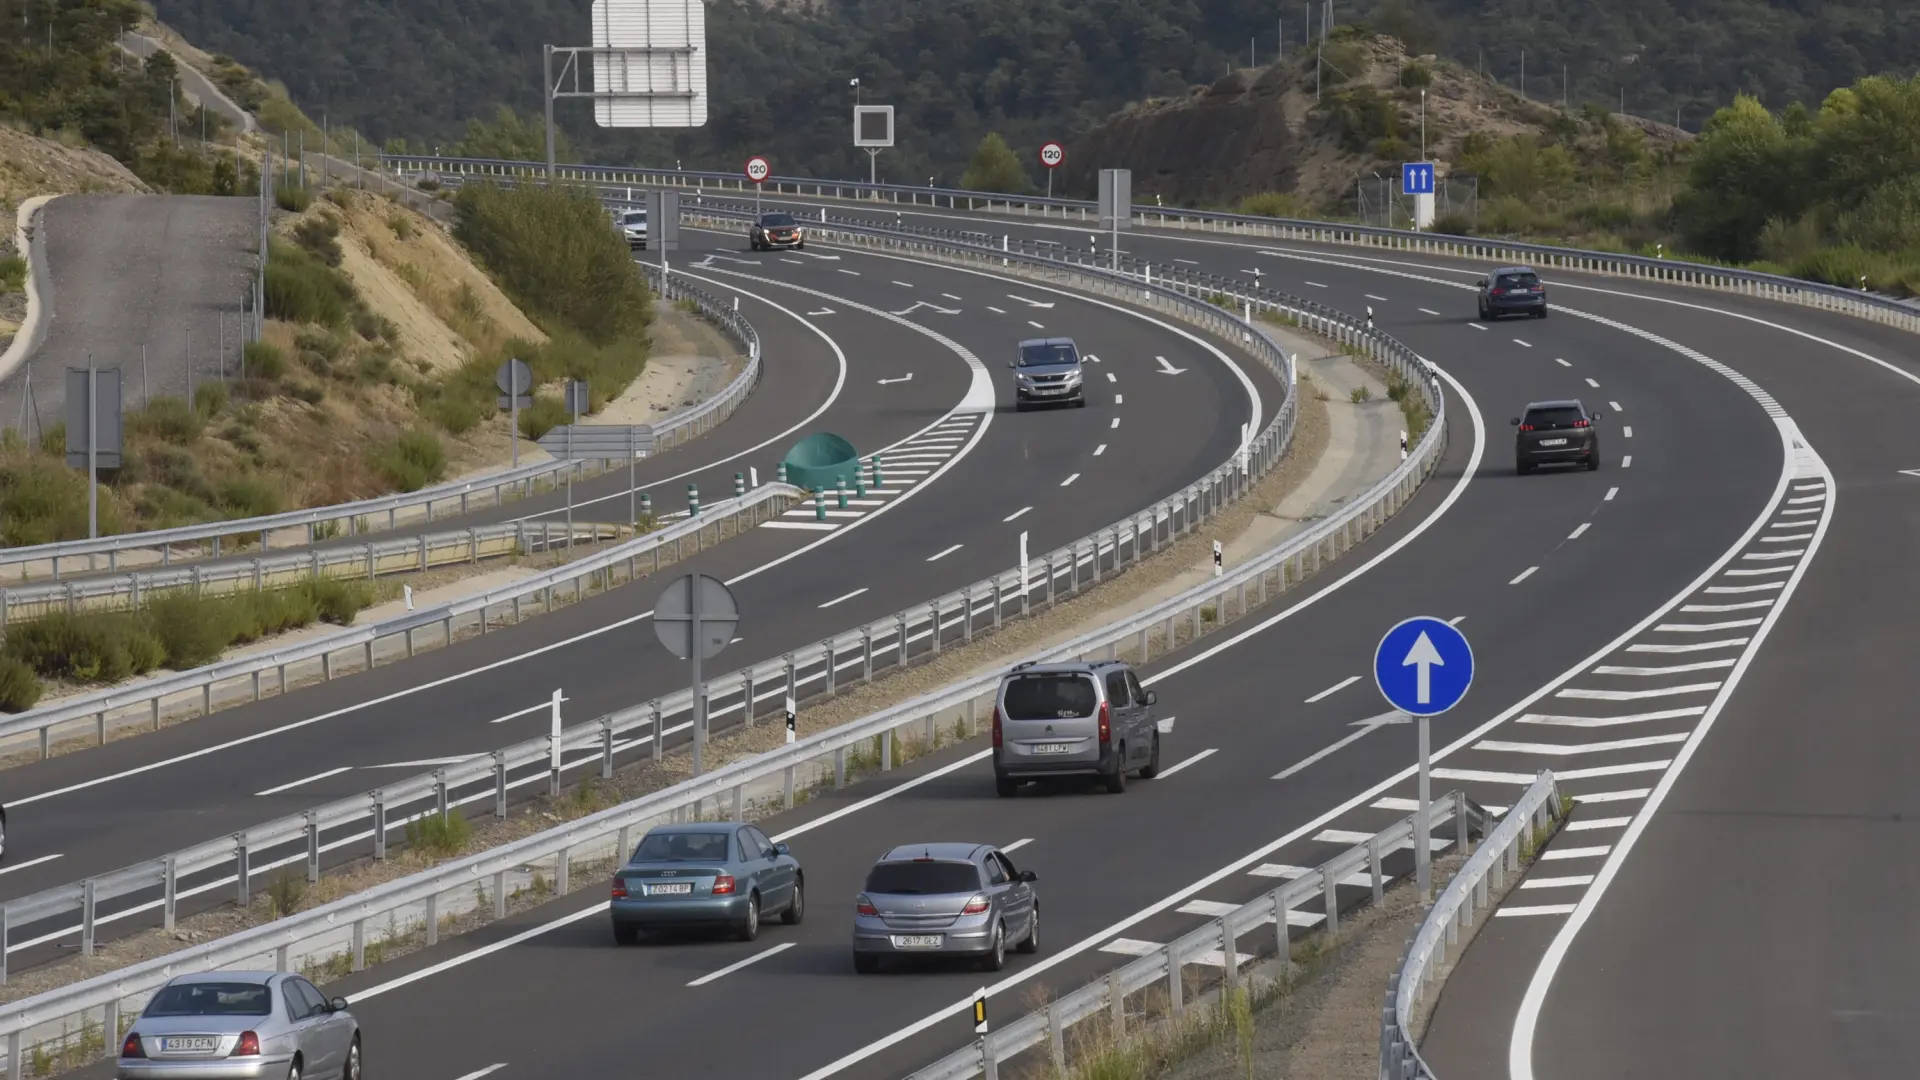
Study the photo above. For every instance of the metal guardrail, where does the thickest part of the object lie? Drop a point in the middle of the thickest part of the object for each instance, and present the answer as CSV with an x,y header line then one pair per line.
x,y
151,695
122,592
1863,305
770,779
390,511
1472,888
1106,998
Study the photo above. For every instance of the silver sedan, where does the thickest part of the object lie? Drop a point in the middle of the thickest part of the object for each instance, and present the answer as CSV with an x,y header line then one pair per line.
x,y
241,1025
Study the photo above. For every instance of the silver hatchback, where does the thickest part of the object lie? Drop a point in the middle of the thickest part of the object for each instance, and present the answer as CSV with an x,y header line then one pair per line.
x,y
241,1025
1076,719
945,900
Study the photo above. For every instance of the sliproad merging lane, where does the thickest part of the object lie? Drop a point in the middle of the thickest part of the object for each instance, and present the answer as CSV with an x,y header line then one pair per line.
x,y
599,653
1603,554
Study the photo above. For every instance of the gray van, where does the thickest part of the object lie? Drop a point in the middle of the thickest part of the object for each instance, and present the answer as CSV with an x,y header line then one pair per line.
x,y
1047,370
1076,719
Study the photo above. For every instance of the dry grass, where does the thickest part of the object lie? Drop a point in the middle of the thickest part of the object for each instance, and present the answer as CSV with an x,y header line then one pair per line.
x,y
33,166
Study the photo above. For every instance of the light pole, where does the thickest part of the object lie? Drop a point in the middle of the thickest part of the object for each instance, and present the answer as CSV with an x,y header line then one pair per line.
x,y
1423,124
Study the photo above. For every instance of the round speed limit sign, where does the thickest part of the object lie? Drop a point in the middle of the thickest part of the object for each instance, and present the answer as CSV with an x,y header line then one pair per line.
x,y
1052,154
758,169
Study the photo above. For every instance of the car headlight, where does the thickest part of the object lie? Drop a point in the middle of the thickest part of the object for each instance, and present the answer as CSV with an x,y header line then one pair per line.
x,y
1072,377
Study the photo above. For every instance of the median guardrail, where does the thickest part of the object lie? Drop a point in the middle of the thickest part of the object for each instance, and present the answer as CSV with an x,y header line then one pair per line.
x,y
1475,886
1215,945
766,781
1774,287
244,675
391,511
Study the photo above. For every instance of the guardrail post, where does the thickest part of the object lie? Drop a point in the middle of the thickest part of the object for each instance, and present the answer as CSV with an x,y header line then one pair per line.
x,y
241,870
900,623
1327,884
1056,1040
997,601
840,768
655,726
1373,864
87,904
831,673
746,697
933,610
440,792
16,1068
1050,579
989,1063
1116,1005
606,747
1462,828
866,652
786,788
359,945
563,870
1176,987
169,902
500,894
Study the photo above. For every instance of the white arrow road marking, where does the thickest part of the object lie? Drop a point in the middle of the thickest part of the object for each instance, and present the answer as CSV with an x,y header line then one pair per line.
x,y
1089,358
308,780
1167,368
908,377
1195,759
708,261
1030,303
731,968
488,1071
1910,472
1423,658
823,258
1366,727
923,304
1164,725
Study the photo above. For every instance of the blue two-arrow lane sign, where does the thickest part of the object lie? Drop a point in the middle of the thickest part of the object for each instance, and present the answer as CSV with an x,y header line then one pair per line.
x,y
1423,666
1416,178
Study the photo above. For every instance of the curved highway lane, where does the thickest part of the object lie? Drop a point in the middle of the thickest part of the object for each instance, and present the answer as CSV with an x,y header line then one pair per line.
x,y
1603,553
180,785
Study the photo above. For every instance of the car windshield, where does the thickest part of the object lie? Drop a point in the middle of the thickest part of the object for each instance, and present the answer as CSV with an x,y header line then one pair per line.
x,y
636,217
1050,697
922,878
682,847
1558,416
777,221
211,999
1517,281
1050,353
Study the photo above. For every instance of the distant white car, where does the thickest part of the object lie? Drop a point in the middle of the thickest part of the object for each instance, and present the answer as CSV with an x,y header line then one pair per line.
x,y
634,224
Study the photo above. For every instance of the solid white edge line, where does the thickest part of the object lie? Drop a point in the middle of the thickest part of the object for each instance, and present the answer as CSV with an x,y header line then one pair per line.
x,y
29,862
733,967
1527,1018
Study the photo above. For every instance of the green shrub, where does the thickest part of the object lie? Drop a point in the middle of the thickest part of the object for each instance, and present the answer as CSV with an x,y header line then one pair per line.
x,y
292,198
13,274
1416,74
338,602
413,460
88,647
19,687
169,419
42,501
1278,204
545,414
1453,225
401,225
248,495
192,631
210,399
320,236
552,251
300,288
442,837
263,361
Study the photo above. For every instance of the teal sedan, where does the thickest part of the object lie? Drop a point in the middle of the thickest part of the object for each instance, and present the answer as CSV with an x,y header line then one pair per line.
x,y
712,875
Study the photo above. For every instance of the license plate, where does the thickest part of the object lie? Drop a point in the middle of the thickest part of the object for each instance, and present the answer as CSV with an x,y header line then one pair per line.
x,y
916,941
1553,442
1052,748
672,888
200,1044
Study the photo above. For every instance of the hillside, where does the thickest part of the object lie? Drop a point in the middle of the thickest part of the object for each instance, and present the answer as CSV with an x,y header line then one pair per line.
x,y
1262,132
1030,69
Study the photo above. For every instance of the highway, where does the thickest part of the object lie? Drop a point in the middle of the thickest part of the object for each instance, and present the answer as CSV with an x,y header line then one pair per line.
x,y
968,476
1547,575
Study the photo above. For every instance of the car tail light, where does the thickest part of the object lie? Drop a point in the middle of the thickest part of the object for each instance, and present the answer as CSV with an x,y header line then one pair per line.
x,y
1581,423
248,1046
1495,292
864,906
723,885
132,1048
619,889
1106,725
996,727
975,906
1526,427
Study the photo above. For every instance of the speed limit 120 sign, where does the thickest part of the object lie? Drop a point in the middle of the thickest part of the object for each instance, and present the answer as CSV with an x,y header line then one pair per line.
x,y
1052,154
758,169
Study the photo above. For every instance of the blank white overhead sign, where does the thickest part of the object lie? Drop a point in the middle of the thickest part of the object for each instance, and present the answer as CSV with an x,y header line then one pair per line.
x,y
667,71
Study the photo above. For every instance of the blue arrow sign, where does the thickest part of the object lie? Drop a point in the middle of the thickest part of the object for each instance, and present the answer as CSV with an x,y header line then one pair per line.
x,y
1423,666
1416,178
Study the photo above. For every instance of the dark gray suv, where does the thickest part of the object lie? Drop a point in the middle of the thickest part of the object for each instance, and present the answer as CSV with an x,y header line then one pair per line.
x,y
1556,433
1078,719
1512,290
1047,370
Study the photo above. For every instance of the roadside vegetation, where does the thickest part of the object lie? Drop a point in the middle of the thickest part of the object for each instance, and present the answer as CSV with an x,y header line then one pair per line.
x,y
175,630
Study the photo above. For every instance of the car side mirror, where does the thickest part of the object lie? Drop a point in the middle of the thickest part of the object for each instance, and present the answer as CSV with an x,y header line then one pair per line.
x,y
1010,365
1595,417
1029,876
338,1004
1515,421
1481,284
1153,698
782,849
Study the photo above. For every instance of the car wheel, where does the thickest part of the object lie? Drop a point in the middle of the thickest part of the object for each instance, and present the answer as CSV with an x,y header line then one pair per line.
x,y
1019,406
1005,786
1522,468
352,1071
1152,768
865,963
996,957
1593,463
1483,313
750,929
625,934
1080,402
797,910
1541,314
3,835
1117,780
1032,943
293,1070
802,246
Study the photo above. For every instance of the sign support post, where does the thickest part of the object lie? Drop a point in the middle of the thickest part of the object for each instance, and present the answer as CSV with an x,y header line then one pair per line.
x,y
695,619
1052,155
93,399
873,132
1423,667
93,451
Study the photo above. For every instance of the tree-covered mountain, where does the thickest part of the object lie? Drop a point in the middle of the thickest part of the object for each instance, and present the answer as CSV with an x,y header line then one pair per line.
x,y
1030,69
